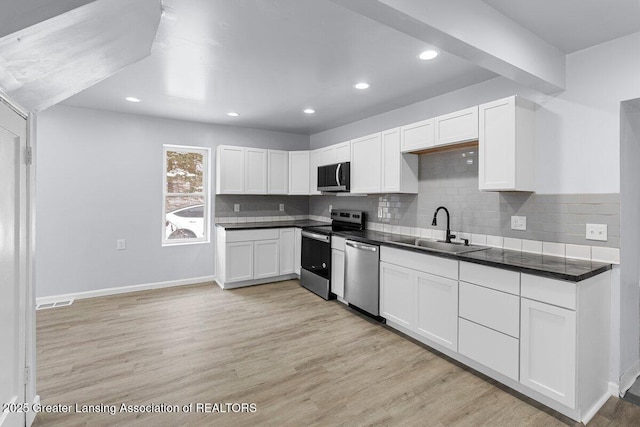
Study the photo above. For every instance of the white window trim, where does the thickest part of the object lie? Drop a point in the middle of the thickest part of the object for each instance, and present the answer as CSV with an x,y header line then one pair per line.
x,y
205,193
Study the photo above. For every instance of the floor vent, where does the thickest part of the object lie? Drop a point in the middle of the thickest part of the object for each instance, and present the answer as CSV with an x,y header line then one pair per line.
x,y
54,305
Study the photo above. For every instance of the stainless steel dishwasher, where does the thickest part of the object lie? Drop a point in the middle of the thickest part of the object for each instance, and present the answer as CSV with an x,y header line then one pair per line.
x,y
361,276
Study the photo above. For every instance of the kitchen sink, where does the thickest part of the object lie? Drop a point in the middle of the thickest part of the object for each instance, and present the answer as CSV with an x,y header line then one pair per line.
x,y
440,246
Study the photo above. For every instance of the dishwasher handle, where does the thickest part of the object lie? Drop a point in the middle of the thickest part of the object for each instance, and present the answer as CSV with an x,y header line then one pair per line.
x,y
362,246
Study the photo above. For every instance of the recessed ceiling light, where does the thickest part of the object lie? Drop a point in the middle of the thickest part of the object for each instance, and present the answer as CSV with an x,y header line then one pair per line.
x,y
428,54
132,99
232,114
361,85
309,111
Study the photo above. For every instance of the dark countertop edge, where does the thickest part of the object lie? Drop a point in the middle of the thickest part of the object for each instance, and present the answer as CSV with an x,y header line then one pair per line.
x,y
300,223
538,272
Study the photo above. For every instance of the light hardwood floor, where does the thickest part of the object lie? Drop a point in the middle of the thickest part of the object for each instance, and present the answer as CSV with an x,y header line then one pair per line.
x,y
301,360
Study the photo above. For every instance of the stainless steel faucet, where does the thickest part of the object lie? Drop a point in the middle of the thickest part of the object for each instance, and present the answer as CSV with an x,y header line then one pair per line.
x,y
448,235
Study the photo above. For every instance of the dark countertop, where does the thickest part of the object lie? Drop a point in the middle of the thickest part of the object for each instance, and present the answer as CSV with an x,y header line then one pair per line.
x,y
301,223
573,270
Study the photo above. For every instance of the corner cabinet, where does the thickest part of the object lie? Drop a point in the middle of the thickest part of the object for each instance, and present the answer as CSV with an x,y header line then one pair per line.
x,y
337,266
277,172
506,145
366,164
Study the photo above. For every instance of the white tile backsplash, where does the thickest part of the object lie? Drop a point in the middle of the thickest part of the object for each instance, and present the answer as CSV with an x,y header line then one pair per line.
x,y
602,254
578,252
532,246
495,241
426,233
478,239
553,249
512,244
438,234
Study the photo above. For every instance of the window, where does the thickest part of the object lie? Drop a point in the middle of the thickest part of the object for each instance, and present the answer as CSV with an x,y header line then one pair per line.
x,y
185,205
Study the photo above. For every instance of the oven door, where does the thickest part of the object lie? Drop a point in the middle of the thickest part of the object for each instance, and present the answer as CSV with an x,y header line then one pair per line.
x,y
316,253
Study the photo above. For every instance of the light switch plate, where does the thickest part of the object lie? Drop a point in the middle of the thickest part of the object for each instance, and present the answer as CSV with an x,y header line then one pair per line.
x,y
281,207
330,208
597,232
236,207
121,244
519,223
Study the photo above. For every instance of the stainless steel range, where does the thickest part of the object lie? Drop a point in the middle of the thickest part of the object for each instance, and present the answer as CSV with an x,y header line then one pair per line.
x,y
315,274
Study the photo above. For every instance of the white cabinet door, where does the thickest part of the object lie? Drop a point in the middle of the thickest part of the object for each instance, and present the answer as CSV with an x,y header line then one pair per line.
x,y
343,152
327,155
265,259
278,172
399,171
506,145
255,181
239,264
548,350
397,294
314,158
299,172
230,170
366,164
297,252
454,128
417,136
337,272
437,312
287,251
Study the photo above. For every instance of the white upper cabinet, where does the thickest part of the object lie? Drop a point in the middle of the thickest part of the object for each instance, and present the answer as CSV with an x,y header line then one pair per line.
x,y
343,152
255,171
366,164
506,145
458,127
299,172
399,171
230,170
314,159
278,172
418,136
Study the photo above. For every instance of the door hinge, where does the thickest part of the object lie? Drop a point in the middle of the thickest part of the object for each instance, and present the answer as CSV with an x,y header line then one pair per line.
x,y
29,156
27,374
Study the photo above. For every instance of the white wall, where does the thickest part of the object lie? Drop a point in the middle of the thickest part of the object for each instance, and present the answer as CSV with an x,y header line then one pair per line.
x,y
99,179
577,131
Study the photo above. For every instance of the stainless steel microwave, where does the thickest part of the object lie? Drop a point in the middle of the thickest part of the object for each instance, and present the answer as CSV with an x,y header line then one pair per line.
x,y
334,178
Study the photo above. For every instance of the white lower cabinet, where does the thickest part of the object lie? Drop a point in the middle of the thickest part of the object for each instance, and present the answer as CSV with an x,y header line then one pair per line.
x,y
397,294
491,348
250,257
239,261
548,346
437,311
337,272
287,251
297,251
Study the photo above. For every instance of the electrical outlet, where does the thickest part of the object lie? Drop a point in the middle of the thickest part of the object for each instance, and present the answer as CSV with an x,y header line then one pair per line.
x,y
597,232
281,207
330,208
519,223
121,244
236,208
379,212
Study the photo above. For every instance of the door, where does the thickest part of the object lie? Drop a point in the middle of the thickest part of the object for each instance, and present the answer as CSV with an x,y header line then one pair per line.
x,y
265,259
278,172
337,272
13,262
548,350
391,160
255,172
397,294
316,254
239,261
366,164
496,146
287,251
437,315
230,170
299,172
362,276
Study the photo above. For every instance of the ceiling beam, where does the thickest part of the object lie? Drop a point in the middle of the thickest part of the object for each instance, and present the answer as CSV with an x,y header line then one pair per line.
x,y
472,30
54,59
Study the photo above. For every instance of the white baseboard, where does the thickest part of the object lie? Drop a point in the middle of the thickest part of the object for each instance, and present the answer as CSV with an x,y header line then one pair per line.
x,y
614,389
591,412
123,289
629,377
31,415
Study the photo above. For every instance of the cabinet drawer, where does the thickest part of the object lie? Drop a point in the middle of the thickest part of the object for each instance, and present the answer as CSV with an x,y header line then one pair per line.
x,y
490,277
426,263
251,235
337,243
490,348
493,309
556,292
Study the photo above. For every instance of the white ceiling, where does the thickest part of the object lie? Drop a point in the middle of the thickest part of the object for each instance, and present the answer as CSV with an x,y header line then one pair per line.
x,y
270,59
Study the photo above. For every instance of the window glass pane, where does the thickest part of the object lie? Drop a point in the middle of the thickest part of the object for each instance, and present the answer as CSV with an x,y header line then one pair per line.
x,y
185,172
185,217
